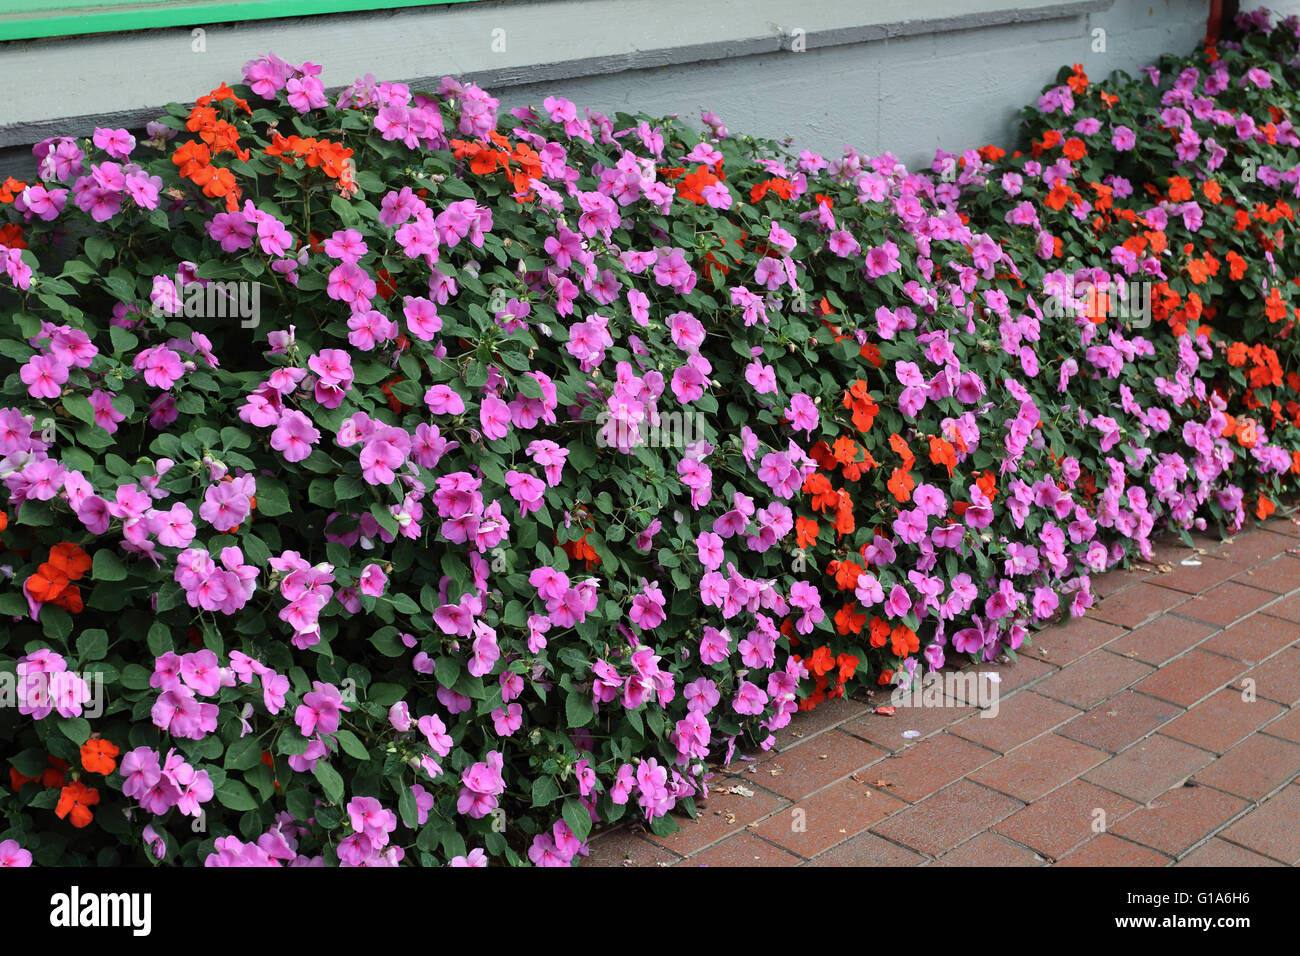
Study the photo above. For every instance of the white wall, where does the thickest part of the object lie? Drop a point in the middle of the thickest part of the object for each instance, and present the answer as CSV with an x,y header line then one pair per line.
x,y
910,95
904,75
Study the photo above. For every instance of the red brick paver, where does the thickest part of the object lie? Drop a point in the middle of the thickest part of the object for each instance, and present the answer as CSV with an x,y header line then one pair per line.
x,y
1254,768
868,849
812,765
1191,677
989,849
947,818
1222,720
1021,717
1039,767
1281,575
1226,603
929,766
1179,819
819,822
1162,640
1121,721
1066,818
726,812
1150,767
1258,637
1072,639
623,847
1288,609
744,849
1137,604
1092,679
1219,852
1278,678
1271,829
1172,707
1107,850
1287,726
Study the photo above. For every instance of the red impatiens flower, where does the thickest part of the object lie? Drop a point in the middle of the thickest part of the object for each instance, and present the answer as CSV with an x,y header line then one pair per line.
x,y
75,801
99,755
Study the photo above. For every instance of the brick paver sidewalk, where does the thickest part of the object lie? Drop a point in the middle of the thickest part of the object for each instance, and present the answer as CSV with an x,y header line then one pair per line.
x,y
1130,736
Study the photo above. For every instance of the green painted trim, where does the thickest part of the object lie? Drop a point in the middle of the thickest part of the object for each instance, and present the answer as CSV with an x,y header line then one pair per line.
x,y
31,19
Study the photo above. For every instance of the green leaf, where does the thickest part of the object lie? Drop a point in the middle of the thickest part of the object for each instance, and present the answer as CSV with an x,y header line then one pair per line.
x,y
244,754
92,645
577,817
351,745
529,386
35,514
664,826
271,497
160,639
446,670
407,392
135,677
343,209
30,763
76,729
330,781
347,487
123,341
577,709
107,566
57,621
385,695
407,807
99,249
544,791
403,603
12,604
187,403
387,642
78,406
234,795
300,804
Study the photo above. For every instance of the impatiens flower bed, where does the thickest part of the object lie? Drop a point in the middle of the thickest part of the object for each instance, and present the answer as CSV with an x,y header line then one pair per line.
x,y
388,480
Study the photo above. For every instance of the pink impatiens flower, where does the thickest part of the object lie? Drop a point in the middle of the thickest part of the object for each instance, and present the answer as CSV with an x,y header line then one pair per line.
x,y
11,854
106,416
161,366
319,711
443,400
44,376
494,416
506,721
525,489
762,377
750,699
225,503
373,580
368,817
294,435
802,413
423,321
483,784
118,143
